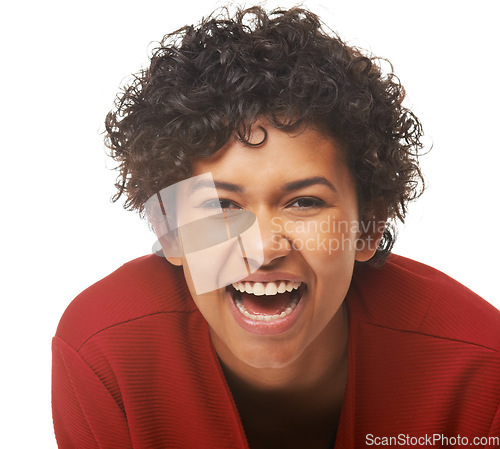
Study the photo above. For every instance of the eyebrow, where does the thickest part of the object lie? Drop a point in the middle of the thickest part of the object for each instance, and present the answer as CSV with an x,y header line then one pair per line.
x,y
288,187
307,182
208,183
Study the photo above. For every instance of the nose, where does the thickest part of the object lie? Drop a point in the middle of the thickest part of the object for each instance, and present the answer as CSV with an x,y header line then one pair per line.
x,y
275,243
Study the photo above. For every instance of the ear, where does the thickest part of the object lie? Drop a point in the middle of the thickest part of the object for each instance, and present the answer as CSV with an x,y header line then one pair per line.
x,y
371,231
171,249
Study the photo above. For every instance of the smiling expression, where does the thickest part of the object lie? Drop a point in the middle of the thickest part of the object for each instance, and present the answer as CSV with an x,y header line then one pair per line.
x,y
304,198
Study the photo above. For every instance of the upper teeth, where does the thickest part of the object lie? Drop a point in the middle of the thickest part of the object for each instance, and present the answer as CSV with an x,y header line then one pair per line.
x,y
266,288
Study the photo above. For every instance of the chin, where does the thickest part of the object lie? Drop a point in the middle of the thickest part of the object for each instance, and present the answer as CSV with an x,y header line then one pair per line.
x,y
268,356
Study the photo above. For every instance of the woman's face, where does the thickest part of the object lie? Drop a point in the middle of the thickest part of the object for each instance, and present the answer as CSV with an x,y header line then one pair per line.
x,y
304,198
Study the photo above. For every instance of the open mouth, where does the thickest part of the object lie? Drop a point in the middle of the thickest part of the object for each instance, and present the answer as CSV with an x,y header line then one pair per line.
x,y
267,301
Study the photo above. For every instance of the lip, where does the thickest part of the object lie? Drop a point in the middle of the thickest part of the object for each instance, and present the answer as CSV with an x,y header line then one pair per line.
x,y
270,277
274,327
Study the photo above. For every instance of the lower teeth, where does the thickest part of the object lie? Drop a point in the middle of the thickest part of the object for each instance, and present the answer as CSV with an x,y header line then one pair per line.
x,y
287,311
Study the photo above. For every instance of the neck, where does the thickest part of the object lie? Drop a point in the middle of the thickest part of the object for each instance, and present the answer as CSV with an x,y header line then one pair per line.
x,y
318,374
298,405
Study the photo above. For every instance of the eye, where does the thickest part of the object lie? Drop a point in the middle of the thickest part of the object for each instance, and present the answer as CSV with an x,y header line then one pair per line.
x,y
306,203
219,203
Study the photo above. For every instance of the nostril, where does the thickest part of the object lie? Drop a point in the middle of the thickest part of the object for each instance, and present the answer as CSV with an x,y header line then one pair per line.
x,y
279,242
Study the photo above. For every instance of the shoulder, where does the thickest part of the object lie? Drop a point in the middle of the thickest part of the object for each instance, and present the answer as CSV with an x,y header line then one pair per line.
x,y
142,287
410,296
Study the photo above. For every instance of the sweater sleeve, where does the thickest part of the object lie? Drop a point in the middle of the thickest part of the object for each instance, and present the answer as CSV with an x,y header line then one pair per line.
x,y
494,435
85,414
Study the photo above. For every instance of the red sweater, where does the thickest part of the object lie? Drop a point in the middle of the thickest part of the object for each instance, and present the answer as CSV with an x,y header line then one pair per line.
x,y
133,365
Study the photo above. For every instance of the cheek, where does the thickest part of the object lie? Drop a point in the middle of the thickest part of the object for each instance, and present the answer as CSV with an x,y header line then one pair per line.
x,y
328,239
215,267
203,301
330,255
210,303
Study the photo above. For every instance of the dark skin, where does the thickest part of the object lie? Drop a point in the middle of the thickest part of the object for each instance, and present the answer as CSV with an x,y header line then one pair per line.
x,y
285,418
288,384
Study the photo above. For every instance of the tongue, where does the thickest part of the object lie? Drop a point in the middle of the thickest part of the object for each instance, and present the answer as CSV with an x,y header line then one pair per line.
x,y
266,305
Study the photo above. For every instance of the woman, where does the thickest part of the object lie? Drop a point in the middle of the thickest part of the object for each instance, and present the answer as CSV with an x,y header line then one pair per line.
x,y
271,160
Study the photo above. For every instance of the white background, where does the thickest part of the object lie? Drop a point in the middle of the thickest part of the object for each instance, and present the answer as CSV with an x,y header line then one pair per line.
x,y
61,66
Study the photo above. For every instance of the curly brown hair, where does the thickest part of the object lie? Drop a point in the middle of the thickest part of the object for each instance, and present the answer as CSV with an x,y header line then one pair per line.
x,y
208,83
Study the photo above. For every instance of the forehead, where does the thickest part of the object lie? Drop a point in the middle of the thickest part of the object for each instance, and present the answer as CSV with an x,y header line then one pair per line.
x,y
267,145
280,157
